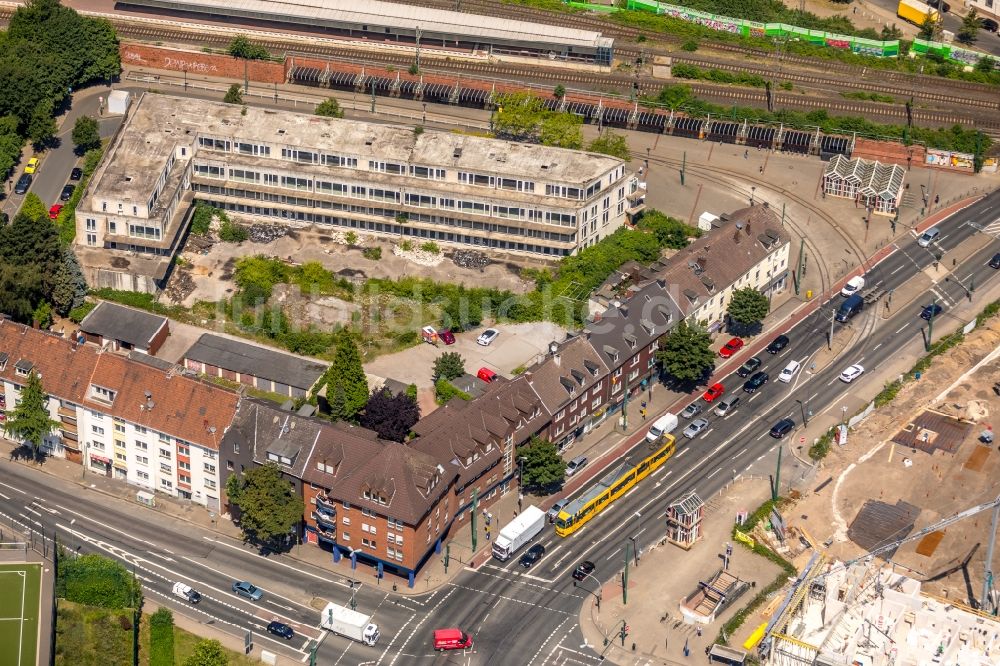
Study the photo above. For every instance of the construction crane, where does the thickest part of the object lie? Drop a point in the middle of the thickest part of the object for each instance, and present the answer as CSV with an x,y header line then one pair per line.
x,y
808,578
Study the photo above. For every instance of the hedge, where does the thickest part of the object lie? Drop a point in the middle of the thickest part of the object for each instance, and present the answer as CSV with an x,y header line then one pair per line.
x,y
97,581
161,638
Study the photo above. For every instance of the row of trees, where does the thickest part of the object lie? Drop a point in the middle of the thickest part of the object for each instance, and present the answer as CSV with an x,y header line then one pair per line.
x,y
47,51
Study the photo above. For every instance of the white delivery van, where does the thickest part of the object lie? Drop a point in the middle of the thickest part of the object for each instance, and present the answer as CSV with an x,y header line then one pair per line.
x,y
662,426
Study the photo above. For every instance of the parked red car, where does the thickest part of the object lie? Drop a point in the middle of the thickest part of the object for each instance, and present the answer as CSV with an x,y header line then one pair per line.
x,y
446,336
731,347
54,211
486,375
713,392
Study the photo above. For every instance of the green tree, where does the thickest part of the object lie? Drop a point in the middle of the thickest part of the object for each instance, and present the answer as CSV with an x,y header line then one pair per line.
x,y
986,65
669,232
43,315
561,130
234,95
543,467
242,47
345,381
518,117
30,256
687,353
968,32
69,289
445,391
269,509
930,27
747,308
330,108
559,92
207,653
611,143
29,422
449,365
42,126
411,392
86,134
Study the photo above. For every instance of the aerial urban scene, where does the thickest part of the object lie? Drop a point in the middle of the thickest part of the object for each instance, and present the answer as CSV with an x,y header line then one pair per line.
x,y
507,332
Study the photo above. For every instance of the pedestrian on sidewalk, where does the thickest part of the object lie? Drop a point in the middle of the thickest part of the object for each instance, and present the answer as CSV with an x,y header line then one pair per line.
x,y
746,154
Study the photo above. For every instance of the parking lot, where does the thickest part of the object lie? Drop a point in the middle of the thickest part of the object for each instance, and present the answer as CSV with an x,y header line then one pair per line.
x,y
518,345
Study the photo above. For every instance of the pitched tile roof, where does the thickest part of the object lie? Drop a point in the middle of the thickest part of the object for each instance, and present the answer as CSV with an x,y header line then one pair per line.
x,y
719,258
177,405
117,322
477,429
264,427
574,367
251,359
619,332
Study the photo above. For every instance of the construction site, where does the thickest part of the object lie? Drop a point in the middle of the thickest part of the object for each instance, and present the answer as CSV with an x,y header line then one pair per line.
x,y
894,541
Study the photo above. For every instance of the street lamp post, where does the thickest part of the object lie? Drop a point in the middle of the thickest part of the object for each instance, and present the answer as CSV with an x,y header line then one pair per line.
x,y
753,189
804,409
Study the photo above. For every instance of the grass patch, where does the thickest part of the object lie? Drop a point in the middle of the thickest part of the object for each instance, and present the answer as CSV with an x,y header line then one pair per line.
x,y
88,636
685,71
868,96
184,642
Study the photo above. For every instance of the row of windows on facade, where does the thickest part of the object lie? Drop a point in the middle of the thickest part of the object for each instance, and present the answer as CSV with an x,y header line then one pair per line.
x,y
302,156
182,477
615,387
183,447
596,402
384,227
736,285
414,199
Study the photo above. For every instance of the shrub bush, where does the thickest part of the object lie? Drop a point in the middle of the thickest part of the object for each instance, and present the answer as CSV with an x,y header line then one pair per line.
x,y
445,391
76,315
97,581
230,232
161,638
373,253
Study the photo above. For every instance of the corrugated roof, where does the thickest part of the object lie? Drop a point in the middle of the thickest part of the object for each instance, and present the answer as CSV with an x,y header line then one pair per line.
x,y
251,359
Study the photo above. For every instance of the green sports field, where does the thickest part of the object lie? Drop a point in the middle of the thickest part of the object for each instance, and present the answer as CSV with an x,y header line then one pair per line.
x,y
20,586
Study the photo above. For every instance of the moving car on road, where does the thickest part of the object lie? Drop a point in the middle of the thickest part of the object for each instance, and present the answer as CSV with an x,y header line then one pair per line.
x,y
534,554
854,285
713,392
749,367
451,639
788,372
487,337
553,513
585,569
755,382
186,592
995,261
851,373
929,237
242,588
695,428
280,629
731,347
782,428
777,344
932,310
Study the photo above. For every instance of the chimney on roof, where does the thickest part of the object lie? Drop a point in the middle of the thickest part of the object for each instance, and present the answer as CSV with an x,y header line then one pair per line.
x,y
149,401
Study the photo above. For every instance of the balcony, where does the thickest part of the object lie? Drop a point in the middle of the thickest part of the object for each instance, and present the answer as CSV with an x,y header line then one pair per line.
x,y
68,426
324,503
67,415
326,520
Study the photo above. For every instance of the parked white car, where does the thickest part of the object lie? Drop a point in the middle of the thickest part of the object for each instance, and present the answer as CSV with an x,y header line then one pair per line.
x,y
487,337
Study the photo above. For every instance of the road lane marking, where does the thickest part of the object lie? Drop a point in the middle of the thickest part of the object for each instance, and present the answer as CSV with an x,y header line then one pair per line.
x,y
755,395
713,473
217,542
5,485
900,329
740,453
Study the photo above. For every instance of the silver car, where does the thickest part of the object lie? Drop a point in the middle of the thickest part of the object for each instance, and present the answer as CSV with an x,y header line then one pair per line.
x,y
487,337
695,428
691,411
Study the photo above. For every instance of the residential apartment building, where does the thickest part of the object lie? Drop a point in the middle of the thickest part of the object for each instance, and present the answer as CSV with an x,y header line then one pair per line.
x,y
750,248
119,416
296,168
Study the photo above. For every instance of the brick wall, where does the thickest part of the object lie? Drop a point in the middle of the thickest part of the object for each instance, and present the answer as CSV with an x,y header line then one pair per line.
x,y
200,64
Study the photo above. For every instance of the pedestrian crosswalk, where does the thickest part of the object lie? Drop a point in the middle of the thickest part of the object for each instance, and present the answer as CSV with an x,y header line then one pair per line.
x,y
991,228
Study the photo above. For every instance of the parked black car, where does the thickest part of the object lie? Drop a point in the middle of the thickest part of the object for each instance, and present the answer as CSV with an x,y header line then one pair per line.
x,y
67,192
777,344
749,367
76,173
23,183
755,382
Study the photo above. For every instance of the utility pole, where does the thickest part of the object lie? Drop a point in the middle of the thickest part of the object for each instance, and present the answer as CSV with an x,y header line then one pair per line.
x,y
418,48
246,76
833,318
475,510
782,213
624,400
802,261
777,478
930,327
625,576
373,97
988,573
684,159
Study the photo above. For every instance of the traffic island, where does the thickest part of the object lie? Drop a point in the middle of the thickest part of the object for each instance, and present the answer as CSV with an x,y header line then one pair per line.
x,y
655,606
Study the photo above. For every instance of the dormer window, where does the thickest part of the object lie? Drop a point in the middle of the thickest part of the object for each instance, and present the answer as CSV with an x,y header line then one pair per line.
x,y
630,339
592,367
3,360
101,394
324,467
374,497
278,458
23,367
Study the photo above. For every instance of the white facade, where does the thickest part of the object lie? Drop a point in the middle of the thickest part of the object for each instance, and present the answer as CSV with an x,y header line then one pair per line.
x,y
763,276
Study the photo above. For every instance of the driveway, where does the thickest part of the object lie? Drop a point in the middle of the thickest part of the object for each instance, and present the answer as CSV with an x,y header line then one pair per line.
x,y
518,345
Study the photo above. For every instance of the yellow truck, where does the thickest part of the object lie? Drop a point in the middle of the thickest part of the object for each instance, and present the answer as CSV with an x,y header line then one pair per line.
x,y
916,12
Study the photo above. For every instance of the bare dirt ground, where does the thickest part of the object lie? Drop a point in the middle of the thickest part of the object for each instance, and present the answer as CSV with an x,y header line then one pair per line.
x,y
941,484
212,270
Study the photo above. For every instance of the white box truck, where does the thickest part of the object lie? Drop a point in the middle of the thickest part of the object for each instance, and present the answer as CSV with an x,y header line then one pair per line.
x,y
350,624
518,532
662,426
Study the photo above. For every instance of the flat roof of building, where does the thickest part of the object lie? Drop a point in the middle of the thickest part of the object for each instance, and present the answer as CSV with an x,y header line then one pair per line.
x,y
159,123
117,322
386,14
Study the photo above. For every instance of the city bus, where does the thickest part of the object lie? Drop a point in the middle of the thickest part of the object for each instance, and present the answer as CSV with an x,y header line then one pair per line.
x,y
630,471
